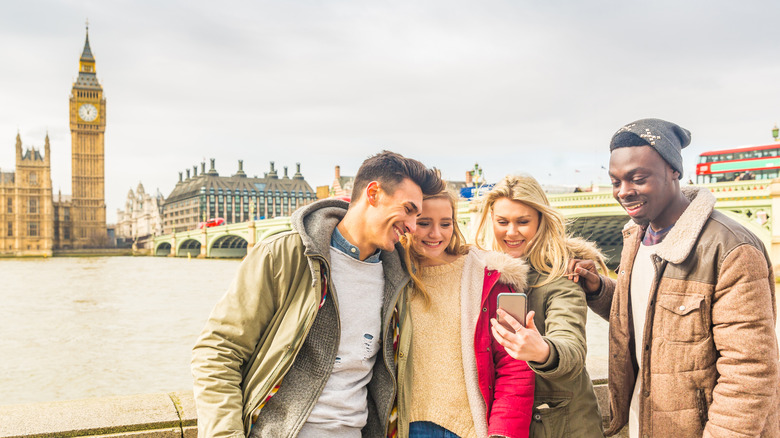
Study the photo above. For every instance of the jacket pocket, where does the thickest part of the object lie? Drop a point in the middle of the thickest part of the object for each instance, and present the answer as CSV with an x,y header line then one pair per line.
x,y
550,417
683,317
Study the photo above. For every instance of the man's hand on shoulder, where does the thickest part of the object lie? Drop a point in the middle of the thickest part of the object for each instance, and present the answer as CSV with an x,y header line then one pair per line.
x,y
584,273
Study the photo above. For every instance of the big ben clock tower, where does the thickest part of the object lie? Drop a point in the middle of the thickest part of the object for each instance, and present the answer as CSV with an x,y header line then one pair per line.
x,y
87,127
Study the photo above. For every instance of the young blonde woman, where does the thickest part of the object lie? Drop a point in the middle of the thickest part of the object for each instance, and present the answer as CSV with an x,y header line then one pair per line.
x,y
518,220
455,379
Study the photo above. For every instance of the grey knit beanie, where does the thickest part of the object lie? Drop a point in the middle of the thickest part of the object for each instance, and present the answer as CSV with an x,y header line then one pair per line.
x,y
666,138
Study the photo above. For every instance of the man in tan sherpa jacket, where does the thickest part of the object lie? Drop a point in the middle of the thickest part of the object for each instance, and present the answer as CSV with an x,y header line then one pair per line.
x,y
693,348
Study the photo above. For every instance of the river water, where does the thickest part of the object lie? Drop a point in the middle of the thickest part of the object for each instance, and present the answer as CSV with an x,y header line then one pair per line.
x,y
102,326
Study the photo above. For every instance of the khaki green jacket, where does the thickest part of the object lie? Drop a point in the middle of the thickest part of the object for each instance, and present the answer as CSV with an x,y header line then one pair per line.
x,y
252,336
564,402
258,327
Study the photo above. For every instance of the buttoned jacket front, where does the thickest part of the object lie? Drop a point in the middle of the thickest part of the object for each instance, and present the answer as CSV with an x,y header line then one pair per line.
x,y
709,350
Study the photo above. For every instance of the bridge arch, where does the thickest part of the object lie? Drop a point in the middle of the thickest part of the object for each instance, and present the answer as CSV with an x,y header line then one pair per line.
x,y
189,247
163,249
229,246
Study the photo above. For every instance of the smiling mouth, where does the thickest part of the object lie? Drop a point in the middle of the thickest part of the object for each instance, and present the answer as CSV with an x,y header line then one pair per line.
x,y
432,244
398,233
632,207
514,243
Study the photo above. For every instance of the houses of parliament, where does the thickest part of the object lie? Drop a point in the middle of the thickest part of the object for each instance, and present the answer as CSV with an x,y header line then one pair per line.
x,y
33,220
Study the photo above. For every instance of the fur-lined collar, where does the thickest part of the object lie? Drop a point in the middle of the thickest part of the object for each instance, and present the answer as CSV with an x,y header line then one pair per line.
x,y
513,271
677,245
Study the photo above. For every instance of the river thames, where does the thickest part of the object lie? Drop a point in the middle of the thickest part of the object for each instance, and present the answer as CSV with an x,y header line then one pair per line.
x,y
102,326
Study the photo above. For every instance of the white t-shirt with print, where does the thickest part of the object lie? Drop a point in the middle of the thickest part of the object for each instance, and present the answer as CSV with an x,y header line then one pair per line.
x,y
342,410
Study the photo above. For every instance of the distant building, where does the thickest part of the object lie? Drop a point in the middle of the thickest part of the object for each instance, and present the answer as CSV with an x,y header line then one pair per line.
x,y
235,198
455,186
342,185
26,211
323,192
63,221
141,217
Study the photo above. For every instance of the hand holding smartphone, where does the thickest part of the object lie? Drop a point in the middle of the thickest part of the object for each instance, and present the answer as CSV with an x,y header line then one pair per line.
x,y
514,304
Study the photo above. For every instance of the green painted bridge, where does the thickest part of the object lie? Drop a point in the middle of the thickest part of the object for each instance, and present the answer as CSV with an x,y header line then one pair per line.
x,y
228,241
598,217
593,215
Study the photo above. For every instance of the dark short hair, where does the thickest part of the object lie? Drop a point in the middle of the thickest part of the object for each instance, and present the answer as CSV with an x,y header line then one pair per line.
x,y
390,169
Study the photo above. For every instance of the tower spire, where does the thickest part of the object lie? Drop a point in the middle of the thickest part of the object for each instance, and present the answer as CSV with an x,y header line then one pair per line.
x,y
86,55
87,78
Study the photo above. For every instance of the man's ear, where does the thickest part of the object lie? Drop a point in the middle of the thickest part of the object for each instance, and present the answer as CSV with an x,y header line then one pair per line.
x,y
675,174
372,190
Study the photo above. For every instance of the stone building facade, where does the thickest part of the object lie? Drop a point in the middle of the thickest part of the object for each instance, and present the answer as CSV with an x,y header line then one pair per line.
x,y
236,198
26,210
342,185
141,217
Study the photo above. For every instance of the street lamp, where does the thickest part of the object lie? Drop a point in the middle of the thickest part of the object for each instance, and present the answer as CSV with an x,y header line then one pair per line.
x,y
476,175
775,132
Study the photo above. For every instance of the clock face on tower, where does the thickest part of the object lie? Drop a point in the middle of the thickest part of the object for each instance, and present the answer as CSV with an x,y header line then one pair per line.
x,y
88,112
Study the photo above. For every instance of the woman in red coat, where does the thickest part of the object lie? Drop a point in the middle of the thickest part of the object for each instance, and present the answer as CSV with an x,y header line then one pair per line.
x,y
455,380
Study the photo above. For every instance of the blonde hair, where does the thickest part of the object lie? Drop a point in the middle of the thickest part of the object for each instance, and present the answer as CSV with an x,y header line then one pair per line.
x,y
413,258
550,250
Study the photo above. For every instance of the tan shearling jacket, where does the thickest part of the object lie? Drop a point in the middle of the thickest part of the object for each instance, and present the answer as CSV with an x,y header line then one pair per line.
x,y
710,352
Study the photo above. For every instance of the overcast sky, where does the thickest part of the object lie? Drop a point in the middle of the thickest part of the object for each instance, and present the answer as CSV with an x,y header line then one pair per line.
x,y
518,86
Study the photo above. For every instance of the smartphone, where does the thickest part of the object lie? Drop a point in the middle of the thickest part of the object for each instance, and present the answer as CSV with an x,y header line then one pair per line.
x,y
514,304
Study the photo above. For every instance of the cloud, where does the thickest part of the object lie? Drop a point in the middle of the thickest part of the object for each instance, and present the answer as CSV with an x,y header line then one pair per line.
x,y
517,86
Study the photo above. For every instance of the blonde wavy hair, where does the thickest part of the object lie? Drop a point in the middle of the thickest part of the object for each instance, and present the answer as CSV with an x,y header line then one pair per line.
x,y
550,250
414,259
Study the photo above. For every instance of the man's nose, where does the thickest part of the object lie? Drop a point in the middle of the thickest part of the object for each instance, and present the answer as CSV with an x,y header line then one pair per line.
x,y
411,226
624,190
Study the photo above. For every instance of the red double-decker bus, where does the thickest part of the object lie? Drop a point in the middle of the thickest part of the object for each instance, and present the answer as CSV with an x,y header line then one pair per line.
x,y
745,163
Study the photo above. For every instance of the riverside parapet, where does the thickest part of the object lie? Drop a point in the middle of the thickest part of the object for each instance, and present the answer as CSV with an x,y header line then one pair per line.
x,y
160,415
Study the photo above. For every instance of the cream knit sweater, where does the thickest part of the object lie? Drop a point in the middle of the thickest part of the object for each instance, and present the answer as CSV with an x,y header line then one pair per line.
x,y
438,378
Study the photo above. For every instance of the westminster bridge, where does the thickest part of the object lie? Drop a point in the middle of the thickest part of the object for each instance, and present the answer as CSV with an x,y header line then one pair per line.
x,y
593,215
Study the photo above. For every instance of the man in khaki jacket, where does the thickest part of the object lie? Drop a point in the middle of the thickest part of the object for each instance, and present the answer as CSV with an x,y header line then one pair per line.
x,y
693,348
302,343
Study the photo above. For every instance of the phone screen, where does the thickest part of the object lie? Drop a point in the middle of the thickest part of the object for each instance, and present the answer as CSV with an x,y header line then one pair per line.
x,y
514,304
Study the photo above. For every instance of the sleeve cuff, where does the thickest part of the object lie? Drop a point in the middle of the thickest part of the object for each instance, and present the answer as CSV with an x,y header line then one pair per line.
x,y
550,364
599,294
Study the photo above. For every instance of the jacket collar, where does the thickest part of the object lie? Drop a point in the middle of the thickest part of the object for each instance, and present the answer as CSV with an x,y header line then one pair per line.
x,y
315,224
512,271
678,244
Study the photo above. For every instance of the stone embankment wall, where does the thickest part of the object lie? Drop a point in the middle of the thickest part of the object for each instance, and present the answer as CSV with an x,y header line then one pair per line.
x,y
170,415
160,415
